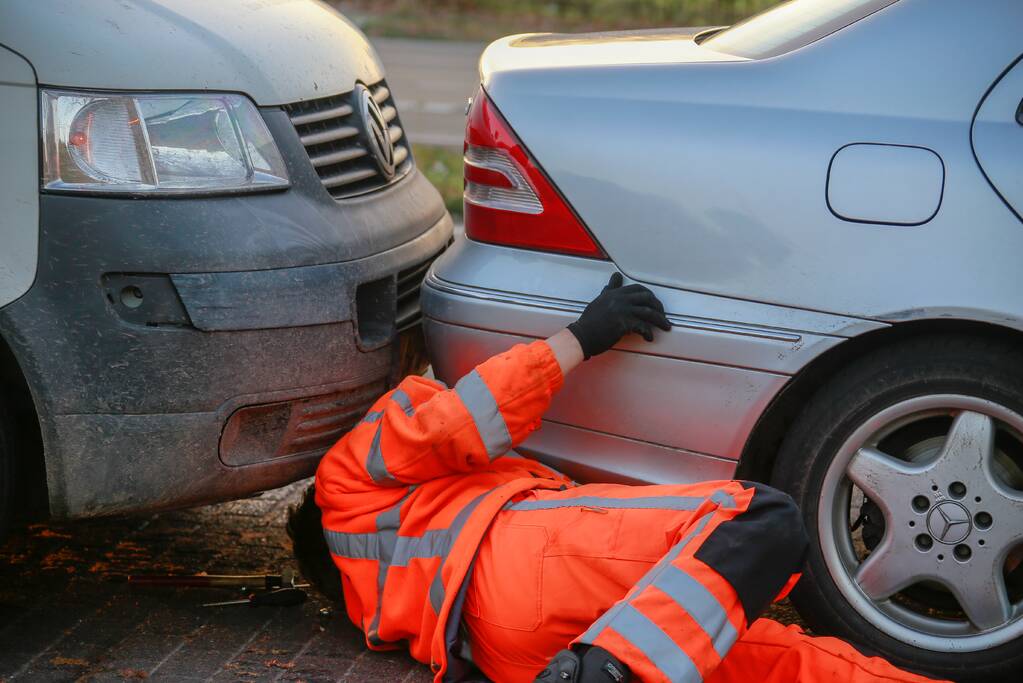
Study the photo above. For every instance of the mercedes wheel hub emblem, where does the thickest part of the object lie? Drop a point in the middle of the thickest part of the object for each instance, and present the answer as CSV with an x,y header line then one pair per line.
x,y
949,522
378,136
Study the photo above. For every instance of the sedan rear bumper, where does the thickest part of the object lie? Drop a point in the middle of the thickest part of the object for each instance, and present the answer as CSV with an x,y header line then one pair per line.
x,y
696,392
590,413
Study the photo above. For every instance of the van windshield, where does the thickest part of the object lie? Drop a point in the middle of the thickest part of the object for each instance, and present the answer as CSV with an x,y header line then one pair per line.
x,y
789,26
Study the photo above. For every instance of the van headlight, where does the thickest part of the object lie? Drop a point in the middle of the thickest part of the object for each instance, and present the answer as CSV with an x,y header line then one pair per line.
x,y
182,143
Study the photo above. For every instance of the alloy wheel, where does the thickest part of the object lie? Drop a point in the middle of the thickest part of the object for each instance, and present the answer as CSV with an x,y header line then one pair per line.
x,y
939,566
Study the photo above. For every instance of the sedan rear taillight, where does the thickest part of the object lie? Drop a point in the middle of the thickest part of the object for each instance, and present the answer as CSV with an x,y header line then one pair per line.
x,y
508,199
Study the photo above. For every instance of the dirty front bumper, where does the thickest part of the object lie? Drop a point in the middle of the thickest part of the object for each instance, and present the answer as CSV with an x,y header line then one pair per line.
x,y
182,351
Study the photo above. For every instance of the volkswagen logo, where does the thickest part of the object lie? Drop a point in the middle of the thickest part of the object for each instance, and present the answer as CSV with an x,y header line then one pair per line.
x,y
949,522
378,137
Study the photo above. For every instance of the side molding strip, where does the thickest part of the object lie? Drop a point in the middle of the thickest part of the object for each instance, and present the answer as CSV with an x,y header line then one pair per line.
x,y
575,307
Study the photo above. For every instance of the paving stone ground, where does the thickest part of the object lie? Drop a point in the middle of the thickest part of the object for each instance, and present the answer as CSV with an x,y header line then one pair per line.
x,y
67,613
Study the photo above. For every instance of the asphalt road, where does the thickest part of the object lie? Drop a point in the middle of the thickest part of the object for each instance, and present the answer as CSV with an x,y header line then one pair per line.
x,y
431,80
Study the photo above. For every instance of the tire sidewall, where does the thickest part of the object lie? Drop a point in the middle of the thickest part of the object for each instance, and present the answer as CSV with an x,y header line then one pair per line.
x,y
6,476
836,410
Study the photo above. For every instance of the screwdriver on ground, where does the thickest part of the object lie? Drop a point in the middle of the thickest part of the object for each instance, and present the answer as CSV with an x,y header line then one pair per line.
x,y
286,579
282,597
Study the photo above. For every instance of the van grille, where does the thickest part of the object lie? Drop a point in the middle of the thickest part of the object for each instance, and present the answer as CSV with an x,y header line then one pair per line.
x,y
332,135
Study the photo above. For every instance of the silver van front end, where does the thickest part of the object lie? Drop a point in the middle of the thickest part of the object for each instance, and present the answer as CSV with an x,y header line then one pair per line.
x,y
215,236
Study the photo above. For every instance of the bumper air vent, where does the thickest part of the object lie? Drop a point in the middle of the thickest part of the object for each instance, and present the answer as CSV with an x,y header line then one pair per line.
x,y
335,137
300,427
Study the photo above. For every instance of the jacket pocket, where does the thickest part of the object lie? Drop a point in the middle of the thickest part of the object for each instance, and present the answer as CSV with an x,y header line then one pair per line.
x,y
585,532
507,583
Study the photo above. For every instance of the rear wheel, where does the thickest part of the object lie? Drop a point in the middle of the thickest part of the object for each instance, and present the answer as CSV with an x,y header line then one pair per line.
x,y
908,467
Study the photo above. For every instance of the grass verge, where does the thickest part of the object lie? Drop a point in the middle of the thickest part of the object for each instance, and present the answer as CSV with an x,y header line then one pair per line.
x,y
443,167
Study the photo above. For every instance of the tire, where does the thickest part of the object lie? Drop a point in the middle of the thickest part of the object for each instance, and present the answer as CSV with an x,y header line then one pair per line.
x,y
7,502
911,393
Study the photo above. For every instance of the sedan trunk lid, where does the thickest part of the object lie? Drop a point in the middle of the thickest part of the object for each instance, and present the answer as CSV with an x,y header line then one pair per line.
x,y
616,48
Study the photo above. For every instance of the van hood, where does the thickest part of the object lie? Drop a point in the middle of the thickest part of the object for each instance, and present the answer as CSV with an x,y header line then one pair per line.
x,y
538,51
275,51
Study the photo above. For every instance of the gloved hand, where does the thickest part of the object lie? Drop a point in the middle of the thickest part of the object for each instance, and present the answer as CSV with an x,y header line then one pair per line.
x,y
614,313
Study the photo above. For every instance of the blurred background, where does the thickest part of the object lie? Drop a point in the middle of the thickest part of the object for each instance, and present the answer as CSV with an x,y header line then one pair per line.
x,y
430,49
485,20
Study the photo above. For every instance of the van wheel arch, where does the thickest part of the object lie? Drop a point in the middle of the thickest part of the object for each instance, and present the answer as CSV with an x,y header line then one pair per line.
x,y
22,439
758,456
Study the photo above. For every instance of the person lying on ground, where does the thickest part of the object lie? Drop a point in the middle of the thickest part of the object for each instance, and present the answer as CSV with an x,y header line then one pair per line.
x,y
477,559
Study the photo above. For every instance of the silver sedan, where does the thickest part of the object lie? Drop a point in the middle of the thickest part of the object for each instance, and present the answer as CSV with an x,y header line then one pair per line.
x,y
827,199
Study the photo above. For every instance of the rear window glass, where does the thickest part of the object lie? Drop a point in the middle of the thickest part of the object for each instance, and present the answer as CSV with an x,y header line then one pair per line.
x,y
789,26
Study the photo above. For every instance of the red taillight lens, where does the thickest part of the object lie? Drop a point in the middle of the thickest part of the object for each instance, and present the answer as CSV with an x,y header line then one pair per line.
x,y
508,199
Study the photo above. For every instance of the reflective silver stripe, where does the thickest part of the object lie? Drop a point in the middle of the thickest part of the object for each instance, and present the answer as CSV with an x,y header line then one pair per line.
x,y
387,532
605,619
402,399
391,517
371,417
375,461
437,585
385,545
702,606
435,543
396,550
354,546
399,397
392,550
658,647
387,523
646,503
482,405
723,499
375,464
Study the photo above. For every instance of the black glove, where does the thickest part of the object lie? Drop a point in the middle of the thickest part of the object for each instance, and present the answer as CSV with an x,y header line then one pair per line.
x,y
614,313
585,664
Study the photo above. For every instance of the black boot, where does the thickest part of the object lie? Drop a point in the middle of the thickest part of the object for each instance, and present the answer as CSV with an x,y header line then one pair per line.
x,y
587,664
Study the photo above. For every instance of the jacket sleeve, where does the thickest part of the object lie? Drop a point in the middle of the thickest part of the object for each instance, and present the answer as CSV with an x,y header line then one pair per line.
x,y
422,431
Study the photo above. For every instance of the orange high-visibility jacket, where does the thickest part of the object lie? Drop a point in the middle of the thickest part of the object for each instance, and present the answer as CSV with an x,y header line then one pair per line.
x,y
409,493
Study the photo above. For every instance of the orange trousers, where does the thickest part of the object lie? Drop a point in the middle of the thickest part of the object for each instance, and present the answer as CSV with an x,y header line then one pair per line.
x,y
669,579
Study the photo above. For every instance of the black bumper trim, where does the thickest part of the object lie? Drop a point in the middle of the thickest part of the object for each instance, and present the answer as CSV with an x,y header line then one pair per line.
x,y
292,297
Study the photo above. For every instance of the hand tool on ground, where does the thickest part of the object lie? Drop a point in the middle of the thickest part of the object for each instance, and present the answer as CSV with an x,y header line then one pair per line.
x,y
286,579
281,597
